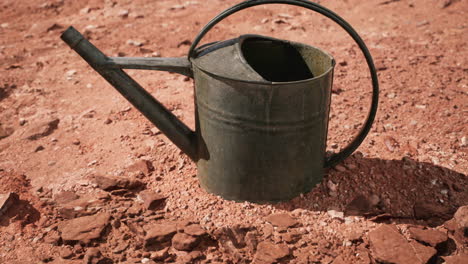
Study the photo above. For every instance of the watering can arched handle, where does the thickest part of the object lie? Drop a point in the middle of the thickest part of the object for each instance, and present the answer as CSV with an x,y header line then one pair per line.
x,y
348,150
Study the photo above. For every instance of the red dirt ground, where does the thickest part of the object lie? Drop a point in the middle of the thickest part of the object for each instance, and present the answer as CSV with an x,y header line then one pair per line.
x,y
409,172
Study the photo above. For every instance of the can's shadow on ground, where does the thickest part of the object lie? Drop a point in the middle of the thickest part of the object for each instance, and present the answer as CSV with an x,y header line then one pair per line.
x,y
399,191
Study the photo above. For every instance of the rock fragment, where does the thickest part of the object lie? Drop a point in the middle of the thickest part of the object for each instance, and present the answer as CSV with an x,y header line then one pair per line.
x,y
459,259
66,252
158,233
152,200
336,214
81,206
428,236
108,183
141,166
52,237
92,256
42,129
282,220
389,246
184,242
65,197
160,254
194,230
461,217
84,229
7,200
271,253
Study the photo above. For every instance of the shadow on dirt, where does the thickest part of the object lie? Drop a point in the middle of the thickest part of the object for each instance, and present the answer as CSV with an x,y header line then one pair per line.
x,y
22,211
399,191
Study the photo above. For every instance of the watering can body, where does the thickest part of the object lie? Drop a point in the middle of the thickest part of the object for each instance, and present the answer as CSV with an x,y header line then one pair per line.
x,y
261,109
262,137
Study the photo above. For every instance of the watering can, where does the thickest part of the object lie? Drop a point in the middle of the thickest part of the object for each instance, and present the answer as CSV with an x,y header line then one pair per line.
x,y
261,107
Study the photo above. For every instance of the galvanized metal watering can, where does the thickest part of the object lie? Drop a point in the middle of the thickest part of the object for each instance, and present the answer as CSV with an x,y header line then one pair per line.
x,y
261,107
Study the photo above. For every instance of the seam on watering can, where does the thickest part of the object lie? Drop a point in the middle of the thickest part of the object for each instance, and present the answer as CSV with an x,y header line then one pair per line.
x,y
258,125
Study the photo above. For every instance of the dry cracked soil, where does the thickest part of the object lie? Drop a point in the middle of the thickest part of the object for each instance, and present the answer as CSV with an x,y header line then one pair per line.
x,y
85,178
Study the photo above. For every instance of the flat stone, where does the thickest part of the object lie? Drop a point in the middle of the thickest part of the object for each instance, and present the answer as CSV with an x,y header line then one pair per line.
x,y
460,259
271,253
389,246
159,233
141,166
42,129
84,229
160,254
461,217
152,200
86,205
184,242
107,183
422,253
66,252
336,214
7,200
428,236
194,230
52,237
282,220
65,197
92,256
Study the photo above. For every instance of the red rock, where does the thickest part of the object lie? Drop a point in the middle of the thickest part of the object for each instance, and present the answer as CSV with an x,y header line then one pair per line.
x,y
86,205
141,166
282,220
340,260
389,246
161,254
184,242
460,259
159,233
268,252
41,130
52,237
291,237
251,240
461,217
182,224
114,183
92,256
422,253
84,229
7,200
66,252
429,236
65,197
460,220
152,200
194,230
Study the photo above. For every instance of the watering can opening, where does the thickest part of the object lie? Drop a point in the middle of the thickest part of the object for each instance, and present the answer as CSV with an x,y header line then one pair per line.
x,y
261,59
274,60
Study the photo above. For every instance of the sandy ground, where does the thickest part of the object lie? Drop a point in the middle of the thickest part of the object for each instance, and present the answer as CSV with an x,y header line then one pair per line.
x,y
94,182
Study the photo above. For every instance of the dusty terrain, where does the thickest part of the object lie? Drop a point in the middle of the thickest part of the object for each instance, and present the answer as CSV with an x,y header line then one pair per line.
x,y
85,178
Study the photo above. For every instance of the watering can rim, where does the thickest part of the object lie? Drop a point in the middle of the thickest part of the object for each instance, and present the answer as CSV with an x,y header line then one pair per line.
x,y
238,44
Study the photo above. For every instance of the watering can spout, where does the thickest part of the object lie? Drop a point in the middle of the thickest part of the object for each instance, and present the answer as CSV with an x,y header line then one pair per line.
x,y
111,69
